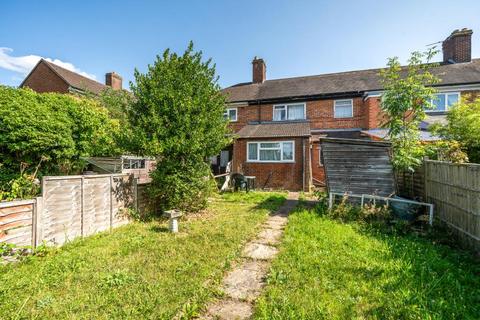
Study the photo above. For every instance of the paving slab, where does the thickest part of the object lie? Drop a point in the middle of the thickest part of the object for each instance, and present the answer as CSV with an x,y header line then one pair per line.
x,y
229,310
259,251
269,236
246,281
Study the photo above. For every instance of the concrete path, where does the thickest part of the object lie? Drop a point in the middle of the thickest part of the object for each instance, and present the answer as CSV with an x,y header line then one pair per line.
x,y
244,283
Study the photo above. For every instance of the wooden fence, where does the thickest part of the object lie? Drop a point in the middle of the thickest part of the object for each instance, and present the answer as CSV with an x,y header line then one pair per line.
x,y
454,189
71,207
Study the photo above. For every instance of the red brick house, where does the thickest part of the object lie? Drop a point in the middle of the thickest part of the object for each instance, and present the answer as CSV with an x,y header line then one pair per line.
x,y
278,123
49,77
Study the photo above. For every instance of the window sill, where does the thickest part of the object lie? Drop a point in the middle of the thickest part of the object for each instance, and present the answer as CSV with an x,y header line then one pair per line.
x,y
258,161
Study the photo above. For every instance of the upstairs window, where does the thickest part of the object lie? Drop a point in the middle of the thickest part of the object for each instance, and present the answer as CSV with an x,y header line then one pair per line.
x,y
282,151
230,114
343,108
443,101
292,111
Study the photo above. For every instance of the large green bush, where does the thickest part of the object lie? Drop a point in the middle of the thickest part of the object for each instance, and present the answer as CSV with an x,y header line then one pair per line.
x,y
52,129
177,117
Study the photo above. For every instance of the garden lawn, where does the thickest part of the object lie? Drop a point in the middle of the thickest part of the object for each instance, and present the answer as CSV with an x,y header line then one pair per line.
x,y
139,270
331,270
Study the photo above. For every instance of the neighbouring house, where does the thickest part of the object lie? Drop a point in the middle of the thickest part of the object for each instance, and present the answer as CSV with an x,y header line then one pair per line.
x,y
278,123
49,77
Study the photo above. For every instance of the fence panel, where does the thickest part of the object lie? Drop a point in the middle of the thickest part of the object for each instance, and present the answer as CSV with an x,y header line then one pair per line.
x,y
16,222
62,209
455,191
71,207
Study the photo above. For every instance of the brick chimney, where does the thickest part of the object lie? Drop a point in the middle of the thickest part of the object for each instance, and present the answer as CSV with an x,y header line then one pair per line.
x,y
113,80
458,46
259,70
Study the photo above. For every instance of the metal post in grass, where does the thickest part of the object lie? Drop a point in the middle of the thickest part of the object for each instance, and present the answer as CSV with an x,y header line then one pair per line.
x,y
173,216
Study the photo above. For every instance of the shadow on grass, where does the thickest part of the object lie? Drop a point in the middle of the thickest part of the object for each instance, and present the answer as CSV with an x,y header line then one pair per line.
x,y
271,204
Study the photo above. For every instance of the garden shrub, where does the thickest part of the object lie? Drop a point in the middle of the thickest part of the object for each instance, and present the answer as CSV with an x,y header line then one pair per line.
x,y
177,117
53,129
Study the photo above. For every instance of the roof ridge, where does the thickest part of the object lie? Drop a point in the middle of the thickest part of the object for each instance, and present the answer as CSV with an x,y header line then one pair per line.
x,y
343,72
49,63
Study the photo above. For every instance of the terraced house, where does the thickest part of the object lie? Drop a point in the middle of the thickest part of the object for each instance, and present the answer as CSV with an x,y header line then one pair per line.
x,y
278,123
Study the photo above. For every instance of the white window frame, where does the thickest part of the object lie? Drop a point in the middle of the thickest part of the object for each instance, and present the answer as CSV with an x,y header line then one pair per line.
x,y
286,105
445,93
335,108
281,151
227,113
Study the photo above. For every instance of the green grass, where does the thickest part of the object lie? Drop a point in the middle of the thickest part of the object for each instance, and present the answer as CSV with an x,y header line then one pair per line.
x,y
330,270
136,271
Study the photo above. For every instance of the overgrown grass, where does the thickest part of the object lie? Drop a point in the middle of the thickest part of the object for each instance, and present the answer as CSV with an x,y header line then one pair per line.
x,y
136,271
327,269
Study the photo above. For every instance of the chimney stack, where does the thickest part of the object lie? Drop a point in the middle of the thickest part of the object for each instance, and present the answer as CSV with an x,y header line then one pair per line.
x,y
458,46
259,70
113,80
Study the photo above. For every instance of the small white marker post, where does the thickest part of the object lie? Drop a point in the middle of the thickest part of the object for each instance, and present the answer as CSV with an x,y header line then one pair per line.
x,y
173,216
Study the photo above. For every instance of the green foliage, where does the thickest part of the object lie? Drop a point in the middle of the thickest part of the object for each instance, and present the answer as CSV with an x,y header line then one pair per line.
x,y
404,99
332,270
177,117
446,150
463,126
23,187
54,129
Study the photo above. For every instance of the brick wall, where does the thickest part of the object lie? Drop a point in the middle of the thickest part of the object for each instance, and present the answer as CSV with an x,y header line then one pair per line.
x,y
320,113
43,79
318,172
279,175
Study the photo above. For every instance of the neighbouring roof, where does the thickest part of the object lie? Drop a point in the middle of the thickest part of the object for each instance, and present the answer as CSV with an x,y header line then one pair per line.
x,y
73,79
433,119
272,130
383,134
342,82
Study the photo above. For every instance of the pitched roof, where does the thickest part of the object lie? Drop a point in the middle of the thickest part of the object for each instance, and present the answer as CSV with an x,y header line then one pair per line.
x,y
342,82
73,79
272,130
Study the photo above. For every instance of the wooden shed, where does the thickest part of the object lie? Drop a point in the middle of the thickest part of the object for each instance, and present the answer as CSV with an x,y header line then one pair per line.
x,y
358,166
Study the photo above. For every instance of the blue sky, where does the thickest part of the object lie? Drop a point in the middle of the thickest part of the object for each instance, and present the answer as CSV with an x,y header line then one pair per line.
x,y
295,38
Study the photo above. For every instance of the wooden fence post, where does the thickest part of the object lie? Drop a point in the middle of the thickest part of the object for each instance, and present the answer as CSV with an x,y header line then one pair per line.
x,y
37,224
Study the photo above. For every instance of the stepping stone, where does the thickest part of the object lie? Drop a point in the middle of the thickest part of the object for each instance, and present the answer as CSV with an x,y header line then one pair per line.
x,y
275,224
259,251
245,282
269,236
229,310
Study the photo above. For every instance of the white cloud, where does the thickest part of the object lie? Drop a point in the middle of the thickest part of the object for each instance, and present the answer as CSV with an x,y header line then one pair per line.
x,y
24,64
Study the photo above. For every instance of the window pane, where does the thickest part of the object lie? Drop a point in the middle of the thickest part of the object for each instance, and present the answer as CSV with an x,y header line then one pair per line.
x,y
279,113
270,145
343,111
232,114
252,151
270,155
295,112
287,151
452,98
439,102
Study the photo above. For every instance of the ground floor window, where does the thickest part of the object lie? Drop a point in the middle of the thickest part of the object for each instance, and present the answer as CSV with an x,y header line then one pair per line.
x,y
272,151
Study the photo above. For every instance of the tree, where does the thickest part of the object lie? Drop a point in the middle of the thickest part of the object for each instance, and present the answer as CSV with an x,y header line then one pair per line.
x,y
463,126
177,117
407,92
